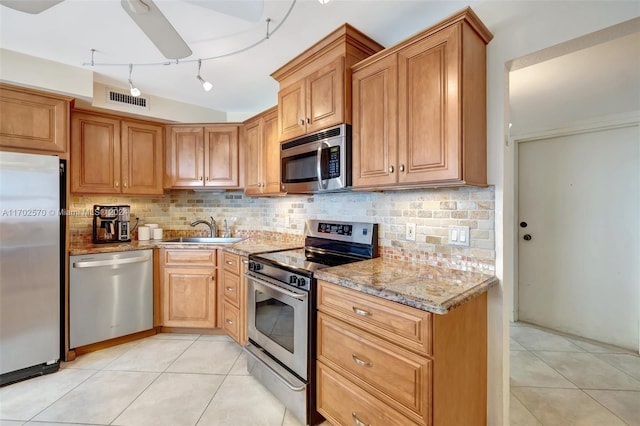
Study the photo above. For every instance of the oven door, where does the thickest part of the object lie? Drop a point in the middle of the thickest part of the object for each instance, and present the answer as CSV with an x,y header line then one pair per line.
x,y
278,322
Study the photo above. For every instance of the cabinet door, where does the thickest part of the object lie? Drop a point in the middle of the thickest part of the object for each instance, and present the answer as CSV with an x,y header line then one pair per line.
x,y
291,111
32,121
428,111
141,158
189,297
221,156
95,154
185,162
271,154
253,158
325,96
375,114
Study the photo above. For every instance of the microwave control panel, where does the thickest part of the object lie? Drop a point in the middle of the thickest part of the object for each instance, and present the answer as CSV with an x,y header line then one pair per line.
x,y
333,171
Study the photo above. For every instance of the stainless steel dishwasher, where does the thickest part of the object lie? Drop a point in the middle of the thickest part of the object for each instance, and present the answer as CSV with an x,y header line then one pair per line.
x,y
110,295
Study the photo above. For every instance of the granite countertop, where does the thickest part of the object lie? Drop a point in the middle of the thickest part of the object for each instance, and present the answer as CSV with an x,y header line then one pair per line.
x,y
434,289
244,247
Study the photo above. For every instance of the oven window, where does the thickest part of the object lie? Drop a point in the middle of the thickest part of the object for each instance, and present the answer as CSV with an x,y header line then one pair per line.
x,y
275,320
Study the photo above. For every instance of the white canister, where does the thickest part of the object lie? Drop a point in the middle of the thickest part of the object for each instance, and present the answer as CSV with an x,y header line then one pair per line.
x,y
157,233
143,233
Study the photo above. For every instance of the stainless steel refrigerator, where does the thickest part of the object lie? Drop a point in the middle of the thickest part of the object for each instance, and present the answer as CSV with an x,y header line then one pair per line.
x,y
31,238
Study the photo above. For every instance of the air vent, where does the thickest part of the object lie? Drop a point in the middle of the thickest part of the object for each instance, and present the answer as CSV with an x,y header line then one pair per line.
x,y
124,98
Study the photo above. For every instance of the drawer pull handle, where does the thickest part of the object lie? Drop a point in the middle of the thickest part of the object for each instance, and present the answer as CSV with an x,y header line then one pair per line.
x,y
359,361
357,421
245,261
229,262
361,312
229,288
229,322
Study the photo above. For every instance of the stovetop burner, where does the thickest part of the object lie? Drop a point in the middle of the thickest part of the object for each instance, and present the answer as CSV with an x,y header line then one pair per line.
x,y
303,261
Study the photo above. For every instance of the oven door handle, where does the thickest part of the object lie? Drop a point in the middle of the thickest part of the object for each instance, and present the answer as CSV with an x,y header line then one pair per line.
x,y
262,281
321,183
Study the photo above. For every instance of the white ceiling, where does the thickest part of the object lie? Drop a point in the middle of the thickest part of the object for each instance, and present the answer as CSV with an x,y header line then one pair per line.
x,y
67,31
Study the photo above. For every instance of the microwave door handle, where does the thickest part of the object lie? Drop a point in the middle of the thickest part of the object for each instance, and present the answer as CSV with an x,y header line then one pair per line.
x,y
321,183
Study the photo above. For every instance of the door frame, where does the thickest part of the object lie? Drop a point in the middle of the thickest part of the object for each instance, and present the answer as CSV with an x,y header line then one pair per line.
x,y
601,123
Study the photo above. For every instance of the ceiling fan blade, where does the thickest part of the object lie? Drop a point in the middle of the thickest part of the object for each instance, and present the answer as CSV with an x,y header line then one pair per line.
x,y
30,6
156,26
249,10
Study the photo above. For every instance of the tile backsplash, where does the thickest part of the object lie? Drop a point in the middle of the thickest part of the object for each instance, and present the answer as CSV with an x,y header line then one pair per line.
x,y
432,210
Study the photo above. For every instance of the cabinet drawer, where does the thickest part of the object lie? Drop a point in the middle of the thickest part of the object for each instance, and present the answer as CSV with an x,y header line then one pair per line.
x,y
407,326
231,320
231,288
231,262
382,368
343,403
186,257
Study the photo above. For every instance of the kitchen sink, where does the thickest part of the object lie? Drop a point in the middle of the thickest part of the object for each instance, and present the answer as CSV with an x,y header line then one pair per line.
x,y
204,240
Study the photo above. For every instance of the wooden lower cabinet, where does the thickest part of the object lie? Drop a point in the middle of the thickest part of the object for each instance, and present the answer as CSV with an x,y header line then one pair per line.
x,y
375,368
233,289
188,292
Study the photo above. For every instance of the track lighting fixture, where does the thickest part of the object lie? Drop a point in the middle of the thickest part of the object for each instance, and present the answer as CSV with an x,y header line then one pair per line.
x,y
135,92
205,84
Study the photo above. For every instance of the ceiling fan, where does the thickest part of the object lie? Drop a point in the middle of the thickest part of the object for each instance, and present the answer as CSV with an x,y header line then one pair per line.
x,y
152,21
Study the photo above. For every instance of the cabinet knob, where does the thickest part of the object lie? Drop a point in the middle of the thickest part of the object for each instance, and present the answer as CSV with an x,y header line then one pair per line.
x,y
402,167
308,120
229,288
302,121
200,178
391,169
117,184
229,322
229,262
245,261
213,278
207,179
125,184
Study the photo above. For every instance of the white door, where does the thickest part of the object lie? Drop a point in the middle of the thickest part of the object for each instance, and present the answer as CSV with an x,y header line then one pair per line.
x,y
579,234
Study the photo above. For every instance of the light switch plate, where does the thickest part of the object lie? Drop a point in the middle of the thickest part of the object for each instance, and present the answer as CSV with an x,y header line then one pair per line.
x,y
411,232
459,236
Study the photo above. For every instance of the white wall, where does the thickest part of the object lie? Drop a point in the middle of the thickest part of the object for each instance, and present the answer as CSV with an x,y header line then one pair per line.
x,y
521,28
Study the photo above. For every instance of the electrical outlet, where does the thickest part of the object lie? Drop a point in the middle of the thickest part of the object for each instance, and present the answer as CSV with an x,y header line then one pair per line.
x,y
411,232
459,236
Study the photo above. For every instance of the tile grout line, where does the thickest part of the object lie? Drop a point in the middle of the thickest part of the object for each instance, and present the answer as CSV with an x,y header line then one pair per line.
x,y
603,406
153,381
525,407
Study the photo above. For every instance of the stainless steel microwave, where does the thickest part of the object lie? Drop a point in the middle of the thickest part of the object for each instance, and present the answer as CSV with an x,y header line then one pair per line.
x,y
318,162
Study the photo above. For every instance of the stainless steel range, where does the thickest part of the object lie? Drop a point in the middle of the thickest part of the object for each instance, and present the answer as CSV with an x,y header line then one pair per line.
x,y
281,309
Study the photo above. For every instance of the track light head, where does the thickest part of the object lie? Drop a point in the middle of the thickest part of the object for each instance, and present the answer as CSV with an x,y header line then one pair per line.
x,y
205,84
135,92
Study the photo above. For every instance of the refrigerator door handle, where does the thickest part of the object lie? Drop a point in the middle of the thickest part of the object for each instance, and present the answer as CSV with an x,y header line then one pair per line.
x,y
114,262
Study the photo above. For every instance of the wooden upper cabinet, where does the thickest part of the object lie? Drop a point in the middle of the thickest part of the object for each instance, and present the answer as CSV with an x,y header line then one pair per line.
x,y
262,163
114,156
95,154
315,87
203,156
141,151
33,120
221,149
375,123
419,109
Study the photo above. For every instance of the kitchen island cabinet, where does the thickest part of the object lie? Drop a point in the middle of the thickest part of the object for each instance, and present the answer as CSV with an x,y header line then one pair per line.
x,y
110,155
203,157
188,290
419,113
402,344
262,168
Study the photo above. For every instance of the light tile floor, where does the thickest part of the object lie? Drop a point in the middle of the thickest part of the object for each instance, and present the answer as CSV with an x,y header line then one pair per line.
x,y
167,379
186,379
563,380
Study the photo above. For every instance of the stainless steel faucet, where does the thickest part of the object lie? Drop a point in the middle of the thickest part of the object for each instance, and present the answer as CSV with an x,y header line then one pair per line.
x,y
213,228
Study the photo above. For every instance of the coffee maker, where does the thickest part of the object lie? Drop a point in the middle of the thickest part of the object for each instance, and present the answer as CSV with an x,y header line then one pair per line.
x,y
111,224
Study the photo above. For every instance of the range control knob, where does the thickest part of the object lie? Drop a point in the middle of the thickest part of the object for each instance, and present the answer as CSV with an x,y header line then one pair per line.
x,y
293,280
301,282
255,266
